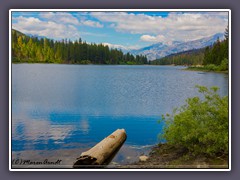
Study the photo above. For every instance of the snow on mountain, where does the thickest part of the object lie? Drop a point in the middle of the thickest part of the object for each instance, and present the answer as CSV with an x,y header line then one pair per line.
x,y
160,50
124,49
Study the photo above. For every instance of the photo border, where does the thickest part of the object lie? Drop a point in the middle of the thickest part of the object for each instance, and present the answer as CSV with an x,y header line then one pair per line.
x,y
115,10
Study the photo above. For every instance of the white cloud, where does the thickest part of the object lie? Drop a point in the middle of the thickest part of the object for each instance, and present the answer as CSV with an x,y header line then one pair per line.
x,y
149,38
49,29
92,23
67,18
118,46
176,26
60,17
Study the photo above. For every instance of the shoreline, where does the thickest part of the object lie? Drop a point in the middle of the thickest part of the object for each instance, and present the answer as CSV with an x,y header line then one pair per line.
x,y
202,69
165,156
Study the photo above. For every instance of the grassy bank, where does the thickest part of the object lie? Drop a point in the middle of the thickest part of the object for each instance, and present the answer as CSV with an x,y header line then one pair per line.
x,y
223,67
205,69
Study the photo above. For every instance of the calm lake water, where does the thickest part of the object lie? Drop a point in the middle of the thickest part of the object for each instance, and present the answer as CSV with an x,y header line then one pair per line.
x,y
59,111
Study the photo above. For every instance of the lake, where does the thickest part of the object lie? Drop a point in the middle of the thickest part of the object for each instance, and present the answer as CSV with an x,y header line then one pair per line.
x,y
59,111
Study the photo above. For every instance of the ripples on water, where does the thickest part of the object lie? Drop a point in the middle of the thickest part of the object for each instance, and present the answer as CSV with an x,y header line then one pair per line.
x,y
59,111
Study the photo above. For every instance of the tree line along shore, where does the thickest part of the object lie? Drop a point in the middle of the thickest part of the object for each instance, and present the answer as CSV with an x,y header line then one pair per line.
x,y
27,49
30,49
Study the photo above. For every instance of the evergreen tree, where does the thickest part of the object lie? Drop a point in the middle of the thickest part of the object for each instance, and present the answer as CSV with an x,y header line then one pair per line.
x,y
218,53
44,50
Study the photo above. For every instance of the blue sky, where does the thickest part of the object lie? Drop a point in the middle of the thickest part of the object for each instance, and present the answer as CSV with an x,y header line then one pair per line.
x,y
129,30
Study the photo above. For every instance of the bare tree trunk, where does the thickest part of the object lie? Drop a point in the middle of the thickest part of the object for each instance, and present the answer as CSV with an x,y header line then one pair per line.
x,y
103,152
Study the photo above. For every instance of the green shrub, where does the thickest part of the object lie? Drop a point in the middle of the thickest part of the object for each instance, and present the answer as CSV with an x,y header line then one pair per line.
x,y
224,65
200,126
85,62
131,63
211,67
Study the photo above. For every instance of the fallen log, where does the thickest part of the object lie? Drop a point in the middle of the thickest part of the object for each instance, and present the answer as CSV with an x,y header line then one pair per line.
x,y
103,152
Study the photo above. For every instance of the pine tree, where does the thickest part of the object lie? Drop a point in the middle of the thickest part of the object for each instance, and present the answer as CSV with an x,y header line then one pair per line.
x,y
32,49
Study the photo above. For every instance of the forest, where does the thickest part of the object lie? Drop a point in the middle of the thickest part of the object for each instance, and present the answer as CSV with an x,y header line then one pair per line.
x,y
32,49
191,57
214,57
216,53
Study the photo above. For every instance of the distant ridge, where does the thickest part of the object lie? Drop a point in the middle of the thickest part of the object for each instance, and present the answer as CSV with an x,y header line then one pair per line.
x,y
18,32
190,57
159,50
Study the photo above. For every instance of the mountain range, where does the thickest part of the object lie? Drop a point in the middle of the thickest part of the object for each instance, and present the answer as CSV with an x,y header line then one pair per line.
x,y
159,50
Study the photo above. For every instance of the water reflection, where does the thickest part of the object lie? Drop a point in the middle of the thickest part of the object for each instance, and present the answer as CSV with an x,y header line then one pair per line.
x,y
62,110
75,130
84,126
126,155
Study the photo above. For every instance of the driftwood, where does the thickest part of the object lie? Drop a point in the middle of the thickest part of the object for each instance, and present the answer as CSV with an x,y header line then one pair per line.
x,y
103,152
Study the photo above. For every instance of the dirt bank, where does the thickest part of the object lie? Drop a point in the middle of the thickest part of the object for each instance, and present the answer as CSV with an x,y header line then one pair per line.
x,y
167,156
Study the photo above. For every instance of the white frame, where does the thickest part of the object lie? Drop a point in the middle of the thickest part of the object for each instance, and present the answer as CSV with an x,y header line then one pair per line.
x,y
114,10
